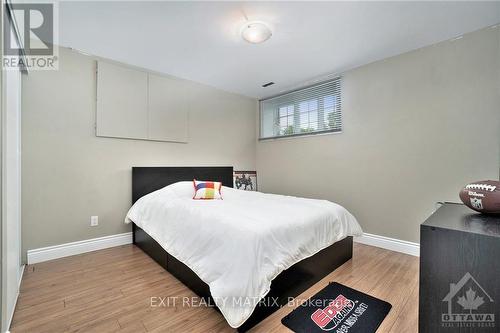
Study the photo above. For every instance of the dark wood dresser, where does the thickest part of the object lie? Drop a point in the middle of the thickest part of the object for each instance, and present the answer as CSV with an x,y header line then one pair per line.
x,y
459,271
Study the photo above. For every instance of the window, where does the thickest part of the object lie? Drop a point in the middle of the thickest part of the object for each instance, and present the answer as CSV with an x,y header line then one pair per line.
x,y
308,116
312,110
285,121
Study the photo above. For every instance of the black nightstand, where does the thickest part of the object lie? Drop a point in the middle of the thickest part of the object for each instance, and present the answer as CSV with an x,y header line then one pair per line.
x,y
459,271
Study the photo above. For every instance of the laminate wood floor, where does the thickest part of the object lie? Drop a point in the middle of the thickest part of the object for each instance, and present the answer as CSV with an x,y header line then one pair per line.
x,y
110,291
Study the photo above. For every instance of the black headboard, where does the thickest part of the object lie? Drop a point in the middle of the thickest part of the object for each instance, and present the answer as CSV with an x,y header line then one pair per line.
x,y
148,179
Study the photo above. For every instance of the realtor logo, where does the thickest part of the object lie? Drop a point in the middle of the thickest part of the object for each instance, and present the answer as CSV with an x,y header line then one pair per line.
x,y
468,304
29,36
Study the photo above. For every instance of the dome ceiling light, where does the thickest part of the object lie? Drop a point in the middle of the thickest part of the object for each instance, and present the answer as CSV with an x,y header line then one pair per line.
x,y
256,32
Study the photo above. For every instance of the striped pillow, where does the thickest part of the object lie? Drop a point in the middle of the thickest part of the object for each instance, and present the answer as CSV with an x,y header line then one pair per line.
x,y
204,190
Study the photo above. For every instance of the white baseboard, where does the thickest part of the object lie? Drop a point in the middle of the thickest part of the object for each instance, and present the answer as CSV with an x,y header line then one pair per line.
x,y
392,244
89,245
71,249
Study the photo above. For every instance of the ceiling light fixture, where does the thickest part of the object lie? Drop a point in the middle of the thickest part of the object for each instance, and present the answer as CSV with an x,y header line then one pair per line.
x,y
256,32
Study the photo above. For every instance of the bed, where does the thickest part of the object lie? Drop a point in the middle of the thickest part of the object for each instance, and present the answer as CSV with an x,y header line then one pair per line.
x,y
250,252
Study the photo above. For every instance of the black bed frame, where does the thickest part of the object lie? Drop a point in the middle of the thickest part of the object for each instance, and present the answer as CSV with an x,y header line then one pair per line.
x,y
289,283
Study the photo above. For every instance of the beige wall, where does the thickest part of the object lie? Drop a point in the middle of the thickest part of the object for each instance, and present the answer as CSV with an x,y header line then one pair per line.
x,y
70,174
417,127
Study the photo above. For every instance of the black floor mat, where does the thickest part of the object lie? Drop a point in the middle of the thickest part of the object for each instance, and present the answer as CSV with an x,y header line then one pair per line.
x,y
339,309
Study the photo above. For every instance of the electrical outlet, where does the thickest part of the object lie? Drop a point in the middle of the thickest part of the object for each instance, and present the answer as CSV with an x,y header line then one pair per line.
x,y
94,221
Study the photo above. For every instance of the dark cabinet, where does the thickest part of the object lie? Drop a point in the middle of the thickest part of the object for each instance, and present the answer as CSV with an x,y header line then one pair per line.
x,y
459,271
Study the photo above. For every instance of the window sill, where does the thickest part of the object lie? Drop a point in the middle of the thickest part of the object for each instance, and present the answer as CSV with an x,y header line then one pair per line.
x,y
299,136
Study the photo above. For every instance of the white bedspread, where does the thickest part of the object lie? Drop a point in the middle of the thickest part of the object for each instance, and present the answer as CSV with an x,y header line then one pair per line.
x,y
238,245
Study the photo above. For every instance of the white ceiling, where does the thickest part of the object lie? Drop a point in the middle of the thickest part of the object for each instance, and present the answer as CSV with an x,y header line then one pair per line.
x,y
201,41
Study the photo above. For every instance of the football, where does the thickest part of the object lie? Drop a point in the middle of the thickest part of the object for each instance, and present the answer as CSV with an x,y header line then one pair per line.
x,y
482,196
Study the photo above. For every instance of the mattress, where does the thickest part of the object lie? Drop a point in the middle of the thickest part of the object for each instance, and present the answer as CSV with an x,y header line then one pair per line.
x,y
238,245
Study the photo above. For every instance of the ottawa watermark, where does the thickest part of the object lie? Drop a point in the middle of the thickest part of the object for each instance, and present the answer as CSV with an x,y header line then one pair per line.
x,y
468,305
30,35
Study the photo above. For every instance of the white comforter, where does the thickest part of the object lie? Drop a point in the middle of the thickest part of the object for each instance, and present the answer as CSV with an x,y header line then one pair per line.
x,y
238,245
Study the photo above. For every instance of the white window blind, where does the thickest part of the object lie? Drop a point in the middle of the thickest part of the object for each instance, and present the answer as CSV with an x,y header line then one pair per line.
x,y
312,110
